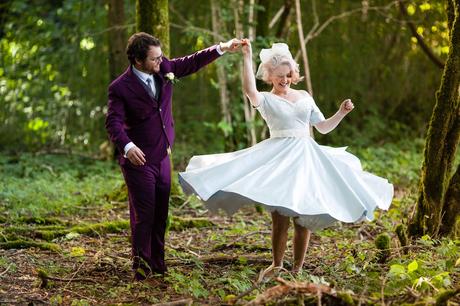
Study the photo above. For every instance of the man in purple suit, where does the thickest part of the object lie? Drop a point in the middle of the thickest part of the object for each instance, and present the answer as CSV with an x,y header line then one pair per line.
x,y
140,124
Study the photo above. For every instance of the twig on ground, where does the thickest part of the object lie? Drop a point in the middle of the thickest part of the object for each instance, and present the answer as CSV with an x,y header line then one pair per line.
x,y
318,294
75,273
382,290
186,302
287,287
361,296
185,203
247,235
81,296
4,272
412,292
81,279
221,258
243,294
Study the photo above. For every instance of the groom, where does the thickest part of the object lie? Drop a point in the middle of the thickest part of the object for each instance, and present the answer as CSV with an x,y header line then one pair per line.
x,y
140,124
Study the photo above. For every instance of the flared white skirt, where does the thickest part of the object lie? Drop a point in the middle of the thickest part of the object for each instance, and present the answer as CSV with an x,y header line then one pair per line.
x,y
318,185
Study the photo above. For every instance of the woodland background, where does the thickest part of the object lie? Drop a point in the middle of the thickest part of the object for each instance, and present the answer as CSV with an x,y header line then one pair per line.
x,y
64,229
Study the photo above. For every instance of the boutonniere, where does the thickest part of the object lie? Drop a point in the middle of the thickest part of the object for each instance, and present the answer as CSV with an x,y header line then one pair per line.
x,y
171,77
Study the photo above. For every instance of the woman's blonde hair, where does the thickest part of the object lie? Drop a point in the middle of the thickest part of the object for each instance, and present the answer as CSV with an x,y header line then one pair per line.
x,y
266,69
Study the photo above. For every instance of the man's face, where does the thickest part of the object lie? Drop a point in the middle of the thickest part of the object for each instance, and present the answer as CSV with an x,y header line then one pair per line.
x,y
152,62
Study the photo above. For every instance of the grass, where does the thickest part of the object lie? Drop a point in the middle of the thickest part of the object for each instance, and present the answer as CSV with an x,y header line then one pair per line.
x,y
49,185
75,197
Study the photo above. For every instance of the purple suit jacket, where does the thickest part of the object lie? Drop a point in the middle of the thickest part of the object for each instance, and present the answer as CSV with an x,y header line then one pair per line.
x,y
135,116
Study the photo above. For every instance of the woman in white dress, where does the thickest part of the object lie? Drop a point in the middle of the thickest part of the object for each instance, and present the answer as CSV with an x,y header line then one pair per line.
x,y
289,173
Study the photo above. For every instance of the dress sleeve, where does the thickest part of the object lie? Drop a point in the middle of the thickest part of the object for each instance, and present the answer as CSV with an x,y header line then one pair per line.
x,y
316,115
262,98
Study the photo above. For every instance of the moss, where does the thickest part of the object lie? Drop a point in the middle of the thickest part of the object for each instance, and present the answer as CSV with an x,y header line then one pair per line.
x,y
49,235
51,232
34,232
346,298
176,189
402,234
451,206
241,245
441,142
39,220
260,209
43,276
100,228
442,299
118,195
382,243
179,224
24,244
153,17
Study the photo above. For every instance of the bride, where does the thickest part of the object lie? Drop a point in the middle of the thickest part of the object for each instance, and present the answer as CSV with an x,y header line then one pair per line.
x,y
289,173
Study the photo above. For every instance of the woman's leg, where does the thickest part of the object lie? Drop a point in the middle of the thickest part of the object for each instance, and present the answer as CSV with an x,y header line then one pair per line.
x,y
301,240
279,237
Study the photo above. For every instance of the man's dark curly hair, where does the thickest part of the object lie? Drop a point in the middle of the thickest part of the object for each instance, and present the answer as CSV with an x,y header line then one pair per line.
x,y
138,46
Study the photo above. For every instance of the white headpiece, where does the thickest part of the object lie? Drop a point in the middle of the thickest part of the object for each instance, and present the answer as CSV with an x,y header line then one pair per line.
x,y
266,55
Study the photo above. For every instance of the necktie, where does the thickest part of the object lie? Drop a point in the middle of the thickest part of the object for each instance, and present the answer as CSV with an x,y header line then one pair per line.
x,y
151,85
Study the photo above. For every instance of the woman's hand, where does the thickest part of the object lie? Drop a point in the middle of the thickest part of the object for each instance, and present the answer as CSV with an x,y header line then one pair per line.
x,y
346,107
246,46
230,46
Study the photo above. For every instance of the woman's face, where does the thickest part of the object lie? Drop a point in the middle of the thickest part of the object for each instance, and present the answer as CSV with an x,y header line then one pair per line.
x,y
281,77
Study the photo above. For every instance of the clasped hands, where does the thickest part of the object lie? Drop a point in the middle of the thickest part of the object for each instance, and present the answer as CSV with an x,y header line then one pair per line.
x,y
233,45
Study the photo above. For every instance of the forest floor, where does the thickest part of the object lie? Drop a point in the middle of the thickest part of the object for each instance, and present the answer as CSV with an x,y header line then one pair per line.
x,y
64,239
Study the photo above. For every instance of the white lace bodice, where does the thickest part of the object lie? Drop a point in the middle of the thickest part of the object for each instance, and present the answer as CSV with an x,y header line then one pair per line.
x,y
289,119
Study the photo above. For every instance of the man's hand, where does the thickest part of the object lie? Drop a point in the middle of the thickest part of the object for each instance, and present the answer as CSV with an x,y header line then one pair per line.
x,y
136,156
231,46
346,107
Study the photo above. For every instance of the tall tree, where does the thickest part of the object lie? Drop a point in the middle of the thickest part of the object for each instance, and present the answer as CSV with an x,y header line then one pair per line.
x,y
152,16
438,199
285,20
303,47
263,18
117,38
249,112
222,76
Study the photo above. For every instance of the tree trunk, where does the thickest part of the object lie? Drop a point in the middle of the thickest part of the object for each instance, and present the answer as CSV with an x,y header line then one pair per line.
x,y
450,218
251,132
222,79
117,38
4,9
303,47
152,16
434,202
285,20
263,18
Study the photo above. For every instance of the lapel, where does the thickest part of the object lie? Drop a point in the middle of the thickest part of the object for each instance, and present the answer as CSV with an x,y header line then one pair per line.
x,y
136,87
159,78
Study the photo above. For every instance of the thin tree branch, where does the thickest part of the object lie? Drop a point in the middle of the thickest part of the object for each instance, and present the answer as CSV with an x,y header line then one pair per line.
x,y
303,47
315,33
438,62
276,17
189,26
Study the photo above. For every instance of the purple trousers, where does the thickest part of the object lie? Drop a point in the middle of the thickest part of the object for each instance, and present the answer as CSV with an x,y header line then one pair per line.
x,y
148,190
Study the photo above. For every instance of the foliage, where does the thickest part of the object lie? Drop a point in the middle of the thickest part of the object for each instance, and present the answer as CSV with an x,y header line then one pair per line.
x,y
54,74
52,80
212,264
25,188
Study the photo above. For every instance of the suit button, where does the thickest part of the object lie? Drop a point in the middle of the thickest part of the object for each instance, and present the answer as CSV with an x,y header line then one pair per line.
x,y
160,109
164,126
